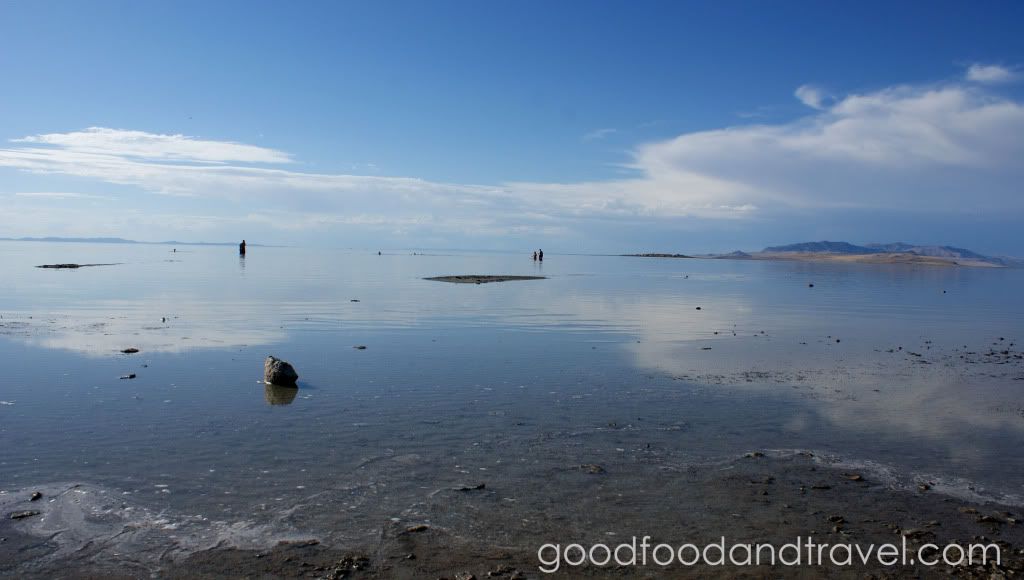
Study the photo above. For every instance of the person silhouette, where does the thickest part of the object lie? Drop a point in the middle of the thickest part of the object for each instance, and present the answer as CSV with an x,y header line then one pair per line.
x,y
535,255
540,255
241,248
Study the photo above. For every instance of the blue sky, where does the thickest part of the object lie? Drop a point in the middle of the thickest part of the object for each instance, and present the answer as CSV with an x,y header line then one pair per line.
x,y
578,126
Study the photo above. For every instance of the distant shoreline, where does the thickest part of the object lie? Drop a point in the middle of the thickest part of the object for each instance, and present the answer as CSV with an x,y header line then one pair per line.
x,y
878,258
124,241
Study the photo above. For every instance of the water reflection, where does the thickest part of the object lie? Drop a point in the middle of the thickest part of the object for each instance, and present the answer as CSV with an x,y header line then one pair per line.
x,y
278,395
760,331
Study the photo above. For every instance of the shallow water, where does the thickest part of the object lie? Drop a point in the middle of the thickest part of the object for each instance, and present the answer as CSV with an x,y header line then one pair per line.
x,y
608,361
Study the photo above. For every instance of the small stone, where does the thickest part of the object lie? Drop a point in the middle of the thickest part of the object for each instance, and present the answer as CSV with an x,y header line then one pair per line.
x,y
698,308
853,476
592,468
417,528
131,350
923,486
471,487
360,347
754,454
811,285
36,496
128,376
837,519
24,514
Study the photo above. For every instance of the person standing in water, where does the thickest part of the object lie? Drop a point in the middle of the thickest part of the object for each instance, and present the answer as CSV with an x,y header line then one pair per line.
x,y
540,255
241,248
535,255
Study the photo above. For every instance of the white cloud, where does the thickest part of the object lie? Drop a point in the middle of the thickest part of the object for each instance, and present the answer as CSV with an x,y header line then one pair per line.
x,y
991,73
810,96
103,141
598,134
938,148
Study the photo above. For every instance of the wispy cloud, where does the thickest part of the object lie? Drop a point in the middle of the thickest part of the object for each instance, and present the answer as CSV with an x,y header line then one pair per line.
x,y
598,134
810,96
60,195
991,73
121,143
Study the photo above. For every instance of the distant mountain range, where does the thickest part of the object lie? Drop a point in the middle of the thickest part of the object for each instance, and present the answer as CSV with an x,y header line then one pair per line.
x,y
885,253
118,241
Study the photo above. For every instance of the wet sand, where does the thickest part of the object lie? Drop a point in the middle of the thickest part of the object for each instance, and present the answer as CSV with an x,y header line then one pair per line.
x,y
771,497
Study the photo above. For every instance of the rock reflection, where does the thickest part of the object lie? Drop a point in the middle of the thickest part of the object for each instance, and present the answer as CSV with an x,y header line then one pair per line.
x,y
278,395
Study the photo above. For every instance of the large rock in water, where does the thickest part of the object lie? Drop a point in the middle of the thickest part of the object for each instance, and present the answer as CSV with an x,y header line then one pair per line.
x,y
279,372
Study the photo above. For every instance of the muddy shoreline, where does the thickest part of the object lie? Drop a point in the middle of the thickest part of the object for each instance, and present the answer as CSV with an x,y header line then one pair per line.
x,y
760,497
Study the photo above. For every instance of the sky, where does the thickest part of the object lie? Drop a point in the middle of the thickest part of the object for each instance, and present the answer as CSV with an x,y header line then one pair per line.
x,y
589,126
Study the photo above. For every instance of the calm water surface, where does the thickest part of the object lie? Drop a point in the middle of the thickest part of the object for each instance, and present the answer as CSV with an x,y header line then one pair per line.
x,y
496,382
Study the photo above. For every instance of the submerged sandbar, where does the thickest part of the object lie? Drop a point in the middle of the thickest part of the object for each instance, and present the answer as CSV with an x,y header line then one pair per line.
x,y
479,279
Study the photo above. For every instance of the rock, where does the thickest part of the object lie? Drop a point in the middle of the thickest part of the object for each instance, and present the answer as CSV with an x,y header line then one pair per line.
x,y
131,350
592,468
417,528
24,514
916,533
279,372
471,487
128,376
698,308
36,496
360,347
854,476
